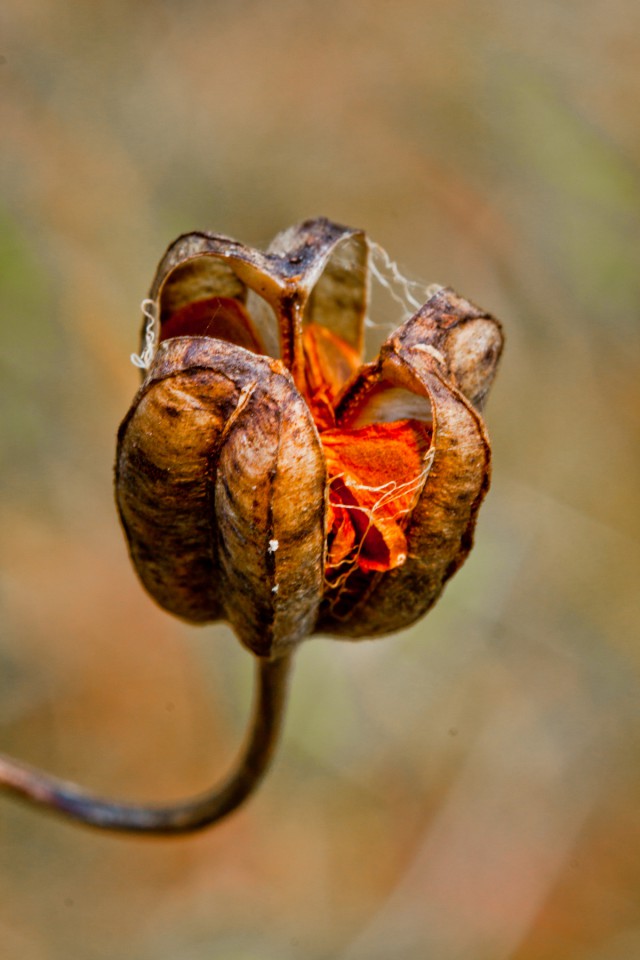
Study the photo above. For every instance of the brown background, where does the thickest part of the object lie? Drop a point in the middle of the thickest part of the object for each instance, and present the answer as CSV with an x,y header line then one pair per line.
x,y
468,790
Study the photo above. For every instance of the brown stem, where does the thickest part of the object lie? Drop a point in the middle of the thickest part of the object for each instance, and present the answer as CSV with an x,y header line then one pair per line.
x,y
189,815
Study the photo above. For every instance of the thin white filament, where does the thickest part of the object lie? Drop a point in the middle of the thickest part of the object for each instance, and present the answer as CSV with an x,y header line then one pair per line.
x,y
411,295
150,312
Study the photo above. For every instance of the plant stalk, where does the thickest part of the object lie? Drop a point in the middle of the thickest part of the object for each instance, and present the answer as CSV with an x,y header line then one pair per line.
x,y
75,803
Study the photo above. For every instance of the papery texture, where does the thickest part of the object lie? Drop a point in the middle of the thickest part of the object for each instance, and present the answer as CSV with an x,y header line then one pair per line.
x,y
208,456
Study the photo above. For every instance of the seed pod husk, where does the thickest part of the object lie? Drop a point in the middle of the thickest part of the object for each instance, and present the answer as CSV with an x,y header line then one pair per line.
x,y
266,476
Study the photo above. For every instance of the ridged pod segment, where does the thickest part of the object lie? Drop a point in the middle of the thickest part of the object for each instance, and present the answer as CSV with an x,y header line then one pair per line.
x,y
213,448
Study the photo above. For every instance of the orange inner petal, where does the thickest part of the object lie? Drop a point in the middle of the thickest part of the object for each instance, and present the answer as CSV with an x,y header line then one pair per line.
x,y
221,317
329,363
376,474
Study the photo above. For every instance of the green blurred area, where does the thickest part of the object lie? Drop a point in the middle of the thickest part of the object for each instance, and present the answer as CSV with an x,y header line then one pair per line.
x,y
468,790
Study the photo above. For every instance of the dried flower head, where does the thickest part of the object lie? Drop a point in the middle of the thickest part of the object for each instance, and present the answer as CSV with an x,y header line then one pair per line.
x,y
266,475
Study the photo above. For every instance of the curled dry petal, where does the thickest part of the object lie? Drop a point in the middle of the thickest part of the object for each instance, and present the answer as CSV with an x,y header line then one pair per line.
x,y
266,476
421,358
209,455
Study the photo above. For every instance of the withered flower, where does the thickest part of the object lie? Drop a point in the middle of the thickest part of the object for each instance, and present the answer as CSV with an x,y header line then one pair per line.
x,y
267,476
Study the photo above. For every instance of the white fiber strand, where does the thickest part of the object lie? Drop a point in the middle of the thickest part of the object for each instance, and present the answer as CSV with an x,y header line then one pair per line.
x,y
150,312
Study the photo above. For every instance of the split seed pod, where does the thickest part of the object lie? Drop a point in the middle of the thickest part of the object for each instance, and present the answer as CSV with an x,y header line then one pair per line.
x,y
266,476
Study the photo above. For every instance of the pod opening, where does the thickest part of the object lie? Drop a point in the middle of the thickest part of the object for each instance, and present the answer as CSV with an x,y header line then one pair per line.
x,y
224,318
204,297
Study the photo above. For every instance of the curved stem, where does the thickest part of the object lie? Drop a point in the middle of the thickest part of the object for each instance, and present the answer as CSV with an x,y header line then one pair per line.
x,y
189,815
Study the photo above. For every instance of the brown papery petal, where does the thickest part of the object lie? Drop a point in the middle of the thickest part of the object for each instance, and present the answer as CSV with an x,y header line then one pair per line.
x,y
211,458
440,532
464,341
270,507
163,488
328,264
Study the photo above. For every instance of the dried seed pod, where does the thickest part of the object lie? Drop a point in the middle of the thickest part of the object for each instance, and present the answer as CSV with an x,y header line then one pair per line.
x,y
267,477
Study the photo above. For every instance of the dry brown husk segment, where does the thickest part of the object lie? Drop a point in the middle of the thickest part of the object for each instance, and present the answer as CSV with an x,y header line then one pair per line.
x,y
208,457
421,357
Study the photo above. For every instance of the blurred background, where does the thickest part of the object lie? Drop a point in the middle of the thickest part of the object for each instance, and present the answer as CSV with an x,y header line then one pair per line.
x,y
469,789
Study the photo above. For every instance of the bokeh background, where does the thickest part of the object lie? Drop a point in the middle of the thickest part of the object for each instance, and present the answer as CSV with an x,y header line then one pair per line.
x,y
469,789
